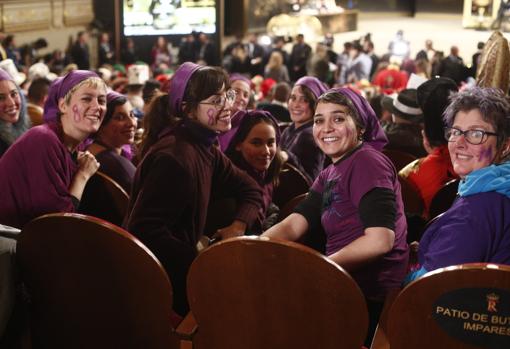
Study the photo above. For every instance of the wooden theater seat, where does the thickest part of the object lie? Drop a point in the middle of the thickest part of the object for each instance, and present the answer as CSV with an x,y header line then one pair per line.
x,y
444,198
292,183
104,198
91,284
289,206
413,204
254,292
465,306
399,158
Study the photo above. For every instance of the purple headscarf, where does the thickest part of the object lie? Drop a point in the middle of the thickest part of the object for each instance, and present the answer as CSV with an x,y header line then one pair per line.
x,y
315,85
178,86
235,77
113,95
59,88
5,76
374,134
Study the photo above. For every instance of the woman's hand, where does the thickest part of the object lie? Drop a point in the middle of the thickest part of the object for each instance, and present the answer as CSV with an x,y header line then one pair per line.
x,y
237,228
87,164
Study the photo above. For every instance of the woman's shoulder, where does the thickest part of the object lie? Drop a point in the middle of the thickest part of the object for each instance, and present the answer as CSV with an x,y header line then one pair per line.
x,y
370,156
39,138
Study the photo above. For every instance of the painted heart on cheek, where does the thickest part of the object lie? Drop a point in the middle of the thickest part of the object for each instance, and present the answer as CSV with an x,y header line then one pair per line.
x,y
211,114
76,113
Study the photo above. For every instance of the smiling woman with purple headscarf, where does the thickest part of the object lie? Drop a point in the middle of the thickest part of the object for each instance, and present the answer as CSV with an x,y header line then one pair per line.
x,y
42,172
14,120
181,167
356,200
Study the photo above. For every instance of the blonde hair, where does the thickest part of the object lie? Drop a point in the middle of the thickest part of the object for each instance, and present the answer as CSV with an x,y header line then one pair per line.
x,y
275,60
94,82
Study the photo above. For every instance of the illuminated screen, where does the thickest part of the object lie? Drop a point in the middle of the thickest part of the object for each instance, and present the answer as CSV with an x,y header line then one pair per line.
x,y
160,17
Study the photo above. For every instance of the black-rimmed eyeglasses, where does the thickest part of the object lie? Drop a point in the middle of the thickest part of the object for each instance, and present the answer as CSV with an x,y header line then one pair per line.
x,y
474,137
221,101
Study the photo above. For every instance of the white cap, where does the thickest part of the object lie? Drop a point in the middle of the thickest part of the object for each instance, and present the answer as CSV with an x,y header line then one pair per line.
x,y
10,68
138,74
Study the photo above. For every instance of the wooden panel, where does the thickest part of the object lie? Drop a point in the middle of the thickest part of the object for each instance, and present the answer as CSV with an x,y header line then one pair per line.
x,y
26,16
77,12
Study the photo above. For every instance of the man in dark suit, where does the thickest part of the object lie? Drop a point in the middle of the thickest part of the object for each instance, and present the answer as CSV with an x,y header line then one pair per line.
x,y
80,51
255,55
299,56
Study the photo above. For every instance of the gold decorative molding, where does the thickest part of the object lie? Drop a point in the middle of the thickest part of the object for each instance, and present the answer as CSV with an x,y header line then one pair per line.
x,y
58,13
26,16
78,12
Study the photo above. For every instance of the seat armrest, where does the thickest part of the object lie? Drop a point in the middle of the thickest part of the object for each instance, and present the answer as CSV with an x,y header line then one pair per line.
x,y
187,328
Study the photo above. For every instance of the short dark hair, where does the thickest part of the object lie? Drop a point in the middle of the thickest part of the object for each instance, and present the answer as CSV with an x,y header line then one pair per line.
x,y
281,91
341,99
38,89
492,103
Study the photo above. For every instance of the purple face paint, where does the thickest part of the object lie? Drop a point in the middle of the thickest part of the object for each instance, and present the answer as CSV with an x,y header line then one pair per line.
x,y
76,113
211,114
486,154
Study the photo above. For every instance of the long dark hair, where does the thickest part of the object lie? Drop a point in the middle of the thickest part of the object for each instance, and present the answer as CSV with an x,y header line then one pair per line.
x,y
205,82
250,120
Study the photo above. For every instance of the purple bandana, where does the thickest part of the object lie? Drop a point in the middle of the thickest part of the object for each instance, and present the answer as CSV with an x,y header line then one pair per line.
x,y
315,85
59,89
374,134
178,86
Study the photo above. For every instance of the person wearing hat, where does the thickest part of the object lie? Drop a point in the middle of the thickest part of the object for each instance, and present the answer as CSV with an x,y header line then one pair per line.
x,y
356,201
297,144
181,167
116,131
14,120
43,172
242,87
254,148
404,133
430,173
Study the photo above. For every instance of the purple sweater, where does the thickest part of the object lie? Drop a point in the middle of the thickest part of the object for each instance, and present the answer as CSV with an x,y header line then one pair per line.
x,y
35,174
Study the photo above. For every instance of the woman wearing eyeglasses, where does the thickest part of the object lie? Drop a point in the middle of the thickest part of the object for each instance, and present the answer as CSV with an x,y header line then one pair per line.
x,y
181,166
477,226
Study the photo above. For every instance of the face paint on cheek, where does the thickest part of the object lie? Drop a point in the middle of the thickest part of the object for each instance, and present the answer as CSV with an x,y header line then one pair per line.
x,y
485,154
76,113
211,115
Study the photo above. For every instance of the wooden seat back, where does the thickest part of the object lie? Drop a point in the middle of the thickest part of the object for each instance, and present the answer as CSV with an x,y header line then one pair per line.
x,y
399,158
292,183
104,198
444,198
91,284
465,306
253,292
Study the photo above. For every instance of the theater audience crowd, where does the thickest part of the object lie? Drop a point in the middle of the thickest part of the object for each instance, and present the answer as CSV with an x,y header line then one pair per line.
x,y
178,132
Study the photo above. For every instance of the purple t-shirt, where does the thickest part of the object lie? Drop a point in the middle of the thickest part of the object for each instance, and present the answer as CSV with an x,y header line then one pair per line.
x,y
35,174
342,186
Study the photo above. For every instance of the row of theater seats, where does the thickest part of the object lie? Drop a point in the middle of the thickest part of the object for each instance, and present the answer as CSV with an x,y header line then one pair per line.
x,y
90,284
